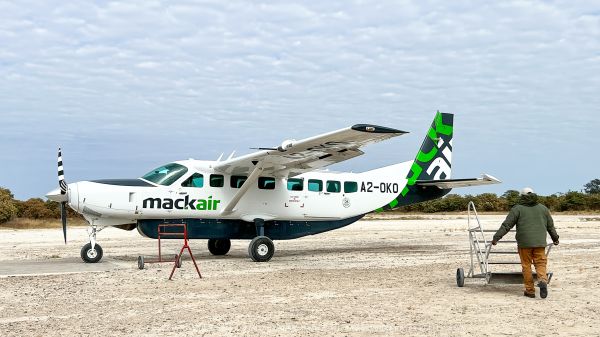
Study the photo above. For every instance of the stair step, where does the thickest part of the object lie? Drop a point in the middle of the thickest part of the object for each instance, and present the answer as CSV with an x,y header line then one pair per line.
x,y
502,262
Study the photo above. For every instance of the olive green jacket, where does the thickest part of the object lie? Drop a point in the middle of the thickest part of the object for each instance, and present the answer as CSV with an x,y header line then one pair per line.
x,y
533,220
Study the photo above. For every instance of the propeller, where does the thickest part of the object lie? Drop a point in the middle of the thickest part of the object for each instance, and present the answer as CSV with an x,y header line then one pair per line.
x,y
63,191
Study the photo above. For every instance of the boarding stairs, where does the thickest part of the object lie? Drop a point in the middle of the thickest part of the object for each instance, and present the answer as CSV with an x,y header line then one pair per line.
x,y
488,262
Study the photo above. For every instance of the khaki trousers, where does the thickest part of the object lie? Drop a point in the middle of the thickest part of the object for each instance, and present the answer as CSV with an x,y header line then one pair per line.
x,y
537,256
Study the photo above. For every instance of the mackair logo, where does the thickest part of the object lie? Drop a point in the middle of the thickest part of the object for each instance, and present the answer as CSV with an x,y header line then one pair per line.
x,y
208,204
434,159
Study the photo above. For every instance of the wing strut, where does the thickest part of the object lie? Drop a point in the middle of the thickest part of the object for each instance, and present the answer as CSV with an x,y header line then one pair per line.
x,y
245,186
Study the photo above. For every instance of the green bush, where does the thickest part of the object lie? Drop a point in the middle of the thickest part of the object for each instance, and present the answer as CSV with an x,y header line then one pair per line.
x,y
512,198
573,201
8,209
36,208
593,202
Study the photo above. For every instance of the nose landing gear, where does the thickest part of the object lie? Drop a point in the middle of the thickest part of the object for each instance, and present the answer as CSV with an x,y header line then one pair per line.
x,y
91,255
92,252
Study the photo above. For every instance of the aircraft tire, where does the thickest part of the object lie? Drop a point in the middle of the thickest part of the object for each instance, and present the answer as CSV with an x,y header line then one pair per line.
x,y
219,246
460,277
140,262
261,249
91,256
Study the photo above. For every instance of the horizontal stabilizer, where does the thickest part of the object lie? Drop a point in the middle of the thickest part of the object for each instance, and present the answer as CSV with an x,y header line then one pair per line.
x,y
485,179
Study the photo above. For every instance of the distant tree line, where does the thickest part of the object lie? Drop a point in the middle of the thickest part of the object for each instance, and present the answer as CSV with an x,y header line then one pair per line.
x,y
490,202
34,208
589,200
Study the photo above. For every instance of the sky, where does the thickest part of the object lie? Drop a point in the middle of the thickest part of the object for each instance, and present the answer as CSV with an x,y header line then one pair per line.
x,y
125,86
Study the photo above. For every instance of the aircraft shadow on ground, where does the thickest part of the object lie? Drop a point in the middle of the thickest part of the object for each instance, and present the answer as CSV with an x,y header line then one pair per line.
x,y
236,254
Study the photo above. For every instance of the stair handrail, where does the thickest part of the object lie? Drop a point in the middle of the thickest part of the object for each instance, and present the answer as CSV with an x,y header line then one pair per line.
x,y
475,243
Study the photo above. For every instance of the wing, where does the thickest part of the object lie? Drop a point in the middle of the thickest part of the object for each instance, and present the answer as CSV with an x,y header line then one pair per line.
x,y
293,157
296,157
485,179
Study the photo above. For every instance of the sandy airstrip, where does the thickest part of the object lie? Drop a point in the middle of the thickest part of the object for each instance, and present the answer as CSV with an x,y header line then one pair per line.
x,y
375,278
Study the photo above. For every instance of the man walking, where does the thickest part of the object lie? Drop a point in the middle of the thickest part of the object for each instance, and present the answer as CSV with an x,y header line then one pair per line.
x,y
533,220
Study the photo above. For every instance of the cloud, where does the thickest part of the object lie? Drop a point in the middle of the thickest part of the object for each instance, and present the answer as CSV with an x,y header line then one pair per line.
x,y
142,82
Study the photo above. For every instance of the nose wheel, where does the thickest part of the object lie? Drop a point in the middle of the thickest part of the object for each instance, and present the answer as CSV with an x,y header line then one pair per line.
x,y
91,255
92,252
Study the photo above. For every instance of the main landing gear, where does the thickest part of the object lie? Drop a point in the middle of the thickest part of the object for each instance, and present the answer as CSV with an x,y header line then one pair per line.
x,y
261,248
92,252
219,246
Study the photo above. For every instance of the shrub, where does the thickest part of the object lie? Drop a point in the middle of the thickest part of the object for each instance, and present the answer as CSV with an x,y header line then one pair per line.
x,y
36,208
8,209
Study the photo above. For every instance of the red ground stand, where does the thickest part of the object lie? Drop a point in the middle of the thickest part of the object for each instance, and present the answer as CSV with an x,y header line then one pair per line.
x,y
185,246
163,231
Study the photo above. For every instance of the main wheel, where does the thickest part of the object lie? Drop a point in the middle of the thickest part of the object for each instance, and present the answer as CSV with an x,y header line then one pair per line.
x,y
261,249
140,262
219,246
90,255
460,277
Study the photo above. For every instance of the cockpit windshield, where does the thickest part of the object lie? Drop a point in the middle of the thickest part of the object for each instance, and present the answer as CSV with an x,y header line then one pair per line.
x,y
166,175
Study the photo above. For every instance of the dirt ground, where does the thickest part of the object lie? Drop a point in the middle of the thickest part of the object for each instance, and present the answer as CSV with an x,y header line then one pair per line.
x,y
375,278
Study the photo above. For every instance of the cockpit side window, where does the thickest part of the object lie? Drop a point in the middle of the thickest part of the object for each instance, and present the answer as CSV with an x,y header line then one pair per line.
x,y
195,180
166,175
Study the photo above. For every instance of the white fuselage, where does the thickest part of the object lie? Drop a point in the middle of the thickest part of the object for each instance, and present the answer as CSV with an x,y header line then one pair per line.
x,y
107,204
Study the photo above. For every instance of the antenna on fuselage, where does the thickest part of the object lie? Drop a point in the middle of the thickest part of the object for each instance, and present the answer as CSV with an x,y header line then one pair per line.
x,y
220,157
231,155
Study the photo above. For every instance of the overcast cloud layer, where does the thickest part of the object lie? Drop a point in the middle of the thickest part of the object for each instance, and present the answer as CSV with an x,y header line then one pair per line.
x,y
126,86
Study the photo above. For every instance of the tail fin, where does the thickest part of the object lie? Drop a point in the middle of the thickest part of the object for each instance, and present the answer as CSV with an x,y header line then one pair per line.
x,y
433,162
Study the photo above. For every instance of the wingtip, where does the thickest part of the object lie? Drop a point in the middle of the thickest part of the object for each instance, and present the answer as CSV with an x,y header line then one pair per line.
x,y
491,178
375,129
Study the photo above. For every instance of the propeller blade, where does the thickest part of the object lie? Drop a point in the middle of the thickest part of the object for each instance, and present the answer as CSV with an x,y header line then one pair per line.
x,y
63,191
61,174
63,218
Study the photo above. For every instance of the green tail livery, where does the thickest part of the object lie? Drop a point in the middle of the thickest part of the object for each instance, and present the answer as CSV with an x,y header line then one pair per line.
x,y
433,162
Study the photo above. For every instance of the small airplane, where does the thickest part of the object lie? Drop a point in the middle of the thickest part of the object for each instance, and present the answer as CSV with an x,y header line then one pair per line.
x,y
275,193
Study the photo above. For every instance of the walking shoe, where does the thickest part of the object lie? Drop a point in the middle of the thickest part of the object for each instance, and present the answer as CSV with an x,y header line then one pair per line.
x,y
543,289
530,295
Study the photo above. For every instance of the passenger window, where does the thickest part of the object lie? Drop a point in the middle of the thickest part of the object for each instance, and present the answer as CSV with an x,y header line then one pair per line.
x,y
195,180
266,183
237,181
315,185
334,186
295,184
350,187
217,180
